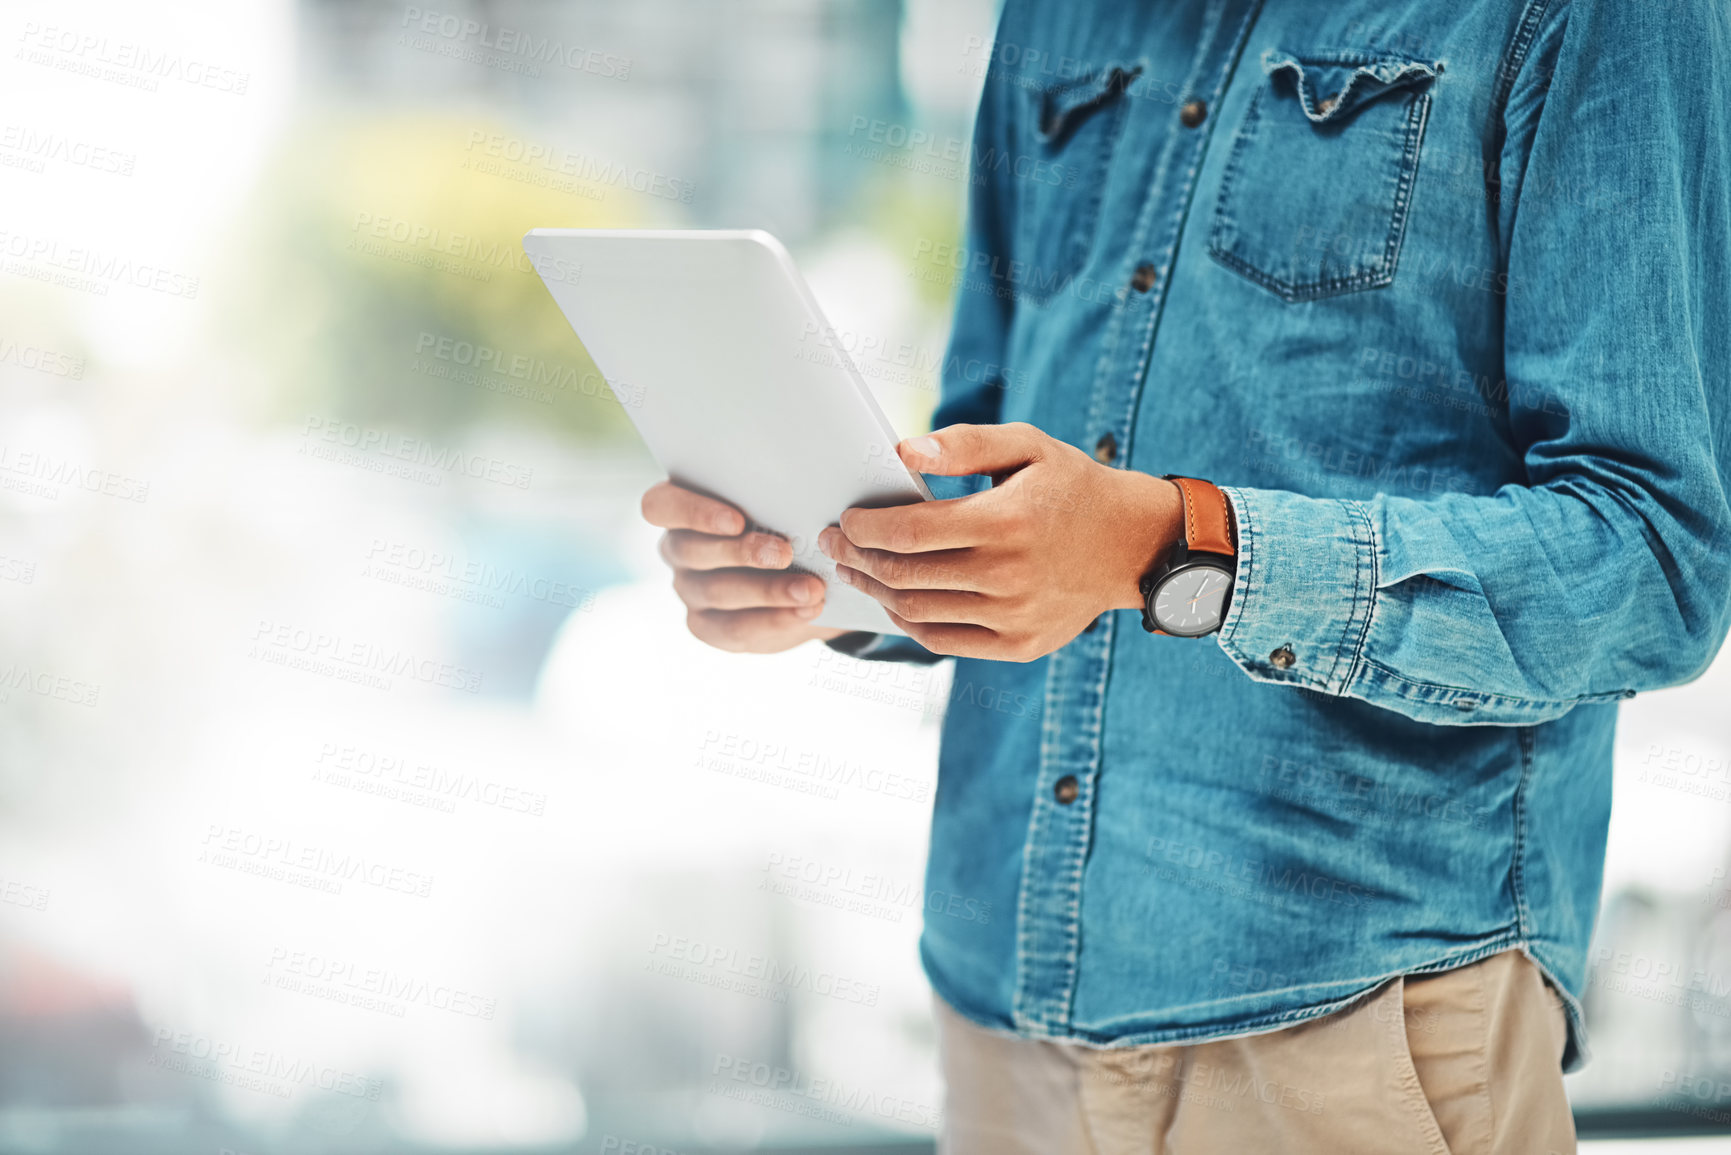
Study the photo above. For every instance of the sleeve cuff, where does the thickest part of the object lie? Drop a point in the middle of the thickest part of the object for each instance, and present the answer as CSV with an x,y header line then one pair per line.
x,y
1306,583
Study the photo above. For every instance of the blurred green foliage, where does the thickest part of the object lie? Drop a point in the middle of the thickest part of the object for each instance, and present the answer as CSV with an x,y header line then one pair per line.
x,y
906,210
386,280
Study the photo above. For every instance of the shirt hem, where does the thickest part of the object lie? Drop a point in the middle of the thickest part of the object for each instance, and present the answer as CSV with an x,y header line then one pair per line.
x,y
1575,1054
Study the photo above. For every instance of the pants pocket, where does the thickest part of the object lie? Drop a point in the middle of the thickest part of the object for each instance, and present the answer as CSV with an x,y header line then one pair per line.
x,y
1393,1015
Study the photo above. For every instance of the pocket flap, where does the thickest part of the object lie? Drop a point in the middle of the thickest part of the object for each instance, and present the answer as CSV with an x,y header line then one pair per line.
x,y
1330,88
1064,106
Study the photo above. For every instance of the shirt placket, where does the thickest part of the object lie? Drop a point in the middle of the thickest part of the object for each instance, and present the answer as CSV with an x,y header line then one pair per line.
x,y
1049,907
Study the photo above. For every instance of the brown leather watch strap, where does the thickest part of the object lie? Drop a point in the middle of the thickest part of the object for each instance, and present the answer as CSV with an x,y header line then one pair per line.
x,y
1208,524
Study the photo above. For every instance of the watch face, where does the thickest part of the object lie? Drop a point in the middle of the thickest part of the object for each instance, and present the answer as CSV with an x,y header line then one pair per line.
x,y
1192,601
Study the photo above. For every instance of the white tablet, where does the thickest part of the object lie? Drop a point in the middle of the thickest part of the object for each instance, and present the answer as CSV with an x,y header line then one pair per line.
x,y
722,359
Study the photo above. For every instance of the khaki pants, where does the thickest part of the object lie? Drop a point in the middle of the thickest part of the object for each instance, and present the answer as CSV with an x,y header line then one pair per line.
x,y
1466,1062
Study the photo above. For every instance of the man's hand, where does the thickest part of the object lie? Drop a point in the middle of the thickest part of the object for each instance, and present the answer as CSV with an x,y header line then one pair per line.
x,y
734,597
1016,571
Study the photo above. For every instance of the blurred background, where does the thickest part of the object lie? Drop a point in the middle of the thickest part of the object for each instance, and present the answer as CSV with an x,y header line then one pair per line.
x,y
360,789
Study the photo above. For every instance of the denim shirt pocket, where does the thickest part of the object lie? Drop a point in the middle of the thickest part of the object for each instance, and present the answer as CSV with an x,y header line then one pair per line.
x,y
1315,193
1061,179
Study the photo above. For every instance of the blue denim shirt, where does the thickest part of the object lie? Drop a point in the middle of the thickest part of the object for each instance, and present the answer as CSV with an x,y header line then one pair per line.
x,y
1441,296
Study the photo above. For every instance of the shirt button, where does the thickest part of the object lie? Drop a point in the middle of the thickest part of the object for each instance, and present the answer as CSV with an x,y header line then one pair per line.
x,y
1065,789
1193,114
1105,449
1144,278
1283,658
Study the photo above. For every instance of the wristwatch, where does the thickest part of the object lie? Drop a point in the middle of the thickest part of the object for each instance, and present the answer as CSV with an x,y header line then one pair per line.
x,y
1187,590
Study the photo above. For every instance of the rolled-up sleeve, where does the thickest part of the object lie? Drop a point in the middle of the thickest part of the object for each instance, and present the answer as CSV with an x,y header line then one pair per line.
x,y
1609,571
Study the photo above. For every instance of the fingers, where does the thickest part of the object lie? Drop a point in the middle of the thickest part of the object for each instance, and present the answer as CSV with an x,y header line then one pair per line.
x,y
956,450
685,549
938,570
703,533
759,631
744,589
671,506
919,605
734,600
961,641
922,527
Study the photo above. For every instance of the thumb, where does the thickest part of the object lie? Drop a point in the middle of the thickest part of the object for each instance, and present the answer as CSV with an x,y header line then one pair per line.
x,y
959,450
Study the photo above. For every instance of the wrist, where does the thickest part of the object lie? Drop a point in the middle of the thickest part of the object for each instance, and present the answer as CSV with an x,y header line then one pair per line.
x,y
1152,520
